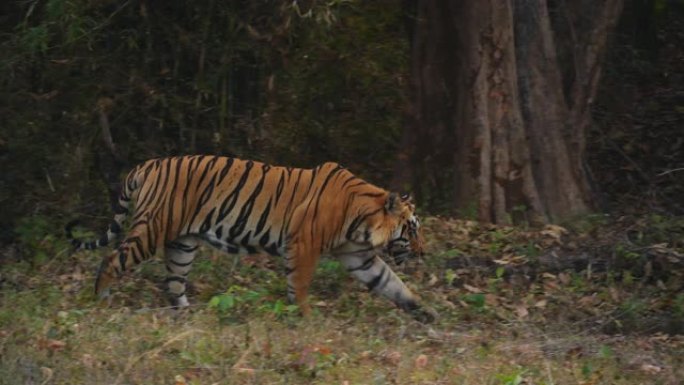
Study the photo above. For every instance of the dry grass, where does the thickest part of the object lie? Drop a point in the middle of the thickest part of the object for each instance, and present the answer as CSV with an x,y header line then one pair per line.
x,y
52,331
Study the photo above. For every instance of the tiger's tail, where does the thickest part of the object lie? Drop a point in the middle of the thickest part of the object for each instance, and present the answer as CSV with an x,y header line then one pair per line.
x,y
130,186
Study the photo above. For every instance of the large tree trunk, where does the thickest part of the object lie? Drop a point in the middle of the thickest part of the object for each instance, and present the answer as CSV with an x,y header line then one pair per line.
x,y
503,89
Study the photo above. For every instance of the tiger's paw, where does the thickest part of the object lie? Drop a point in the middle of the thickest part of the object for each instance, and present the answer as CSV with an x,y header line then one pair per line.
x,y
419,313
424,315
103,282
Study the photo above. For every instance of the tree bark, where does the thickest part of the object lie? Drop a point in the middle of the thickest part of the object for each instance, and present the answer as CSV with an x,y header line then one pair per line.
x,y
501,95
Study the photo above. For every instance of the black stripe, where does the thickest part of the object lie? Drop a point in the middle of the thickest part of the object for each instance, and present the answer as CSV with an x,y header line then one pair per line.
x,y
225,169
367,264
118,208
349,179
265,238
181,264
376,280
230,201
373,195
189,174
361,183
279,189
357,222
114,227
262,219
172,196
246,210
151,192
206,224
272,249
122,261
288,208
332,173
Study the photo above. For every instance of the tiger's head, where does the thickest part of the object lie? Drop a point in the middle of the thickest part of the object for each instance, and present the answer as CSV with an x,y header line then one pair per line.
x,y
407,239
389,223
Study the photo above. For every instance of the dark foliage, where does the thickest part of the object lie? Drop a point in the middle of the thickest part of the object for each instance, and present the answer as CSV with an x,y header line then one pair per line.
x,y
636,147
294,83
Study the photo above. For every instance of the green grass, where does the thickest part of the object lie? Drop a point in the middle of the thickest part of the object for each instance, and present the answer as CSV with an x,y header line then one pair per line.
x,y
240,329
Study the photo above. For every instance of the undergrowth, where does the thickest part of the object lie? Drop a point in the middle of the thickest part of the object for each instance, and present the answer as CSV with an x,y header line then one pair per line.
x,y
592,303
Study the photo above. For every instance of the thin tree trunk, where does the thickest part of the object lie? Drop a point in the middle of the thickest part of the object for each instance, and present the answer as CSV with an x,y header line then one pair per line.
x,y
109,162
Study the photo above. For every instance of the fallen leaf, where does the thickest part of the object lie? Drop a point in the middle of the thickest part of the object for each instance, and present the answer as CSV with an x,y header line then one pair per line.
x,y
51,344
322,350
614,293
246,371
492,300
88,361
564,278
555,232
421,361
541,304
47,374
179,380
393,357
472,289
588,300
521,311
266,348
650,369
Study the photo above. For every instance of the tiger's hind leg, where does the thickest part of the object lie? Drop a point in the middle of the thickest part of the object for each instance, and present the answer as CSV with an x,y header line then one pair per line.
x,y
179,255
380,279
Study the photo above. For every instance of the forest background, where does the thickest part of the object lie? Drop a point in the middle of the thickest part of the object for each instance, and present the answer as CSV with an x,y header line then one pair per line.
x,y
543,141
90,88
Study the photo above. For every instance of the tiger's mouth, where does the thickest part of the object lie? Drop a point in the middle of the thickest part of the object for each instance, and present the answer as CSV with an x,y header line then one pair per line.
x,y
400,250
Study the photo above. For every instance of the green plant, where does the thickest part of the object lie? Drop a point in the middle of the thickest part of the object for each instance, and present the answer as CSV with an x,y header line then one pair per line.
x,y
678,307
515,378
477,300
623,251
234,301
449,276
36,236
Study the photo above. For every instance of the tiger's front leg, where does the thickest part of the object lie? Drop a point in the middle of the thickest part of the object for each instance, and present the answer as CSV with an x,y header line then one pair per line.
x,y
368,268
301,264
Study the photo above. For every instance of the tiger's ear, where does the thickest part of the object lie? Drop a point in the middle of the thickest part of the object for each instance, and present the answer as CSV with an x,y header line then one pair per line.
x,y
393,203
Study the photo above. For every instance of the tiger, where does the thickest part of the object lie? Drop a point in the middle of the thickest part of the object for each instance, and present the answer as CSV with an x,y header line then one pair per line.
x,y
246,207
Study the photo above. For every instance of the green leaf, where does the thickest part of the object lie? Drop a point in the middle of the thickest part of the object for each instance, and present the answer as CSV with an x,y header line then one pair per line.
x,y
605,351
278,307
587,370
226,302
477,300
214,301
291,308
453,253
450,276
